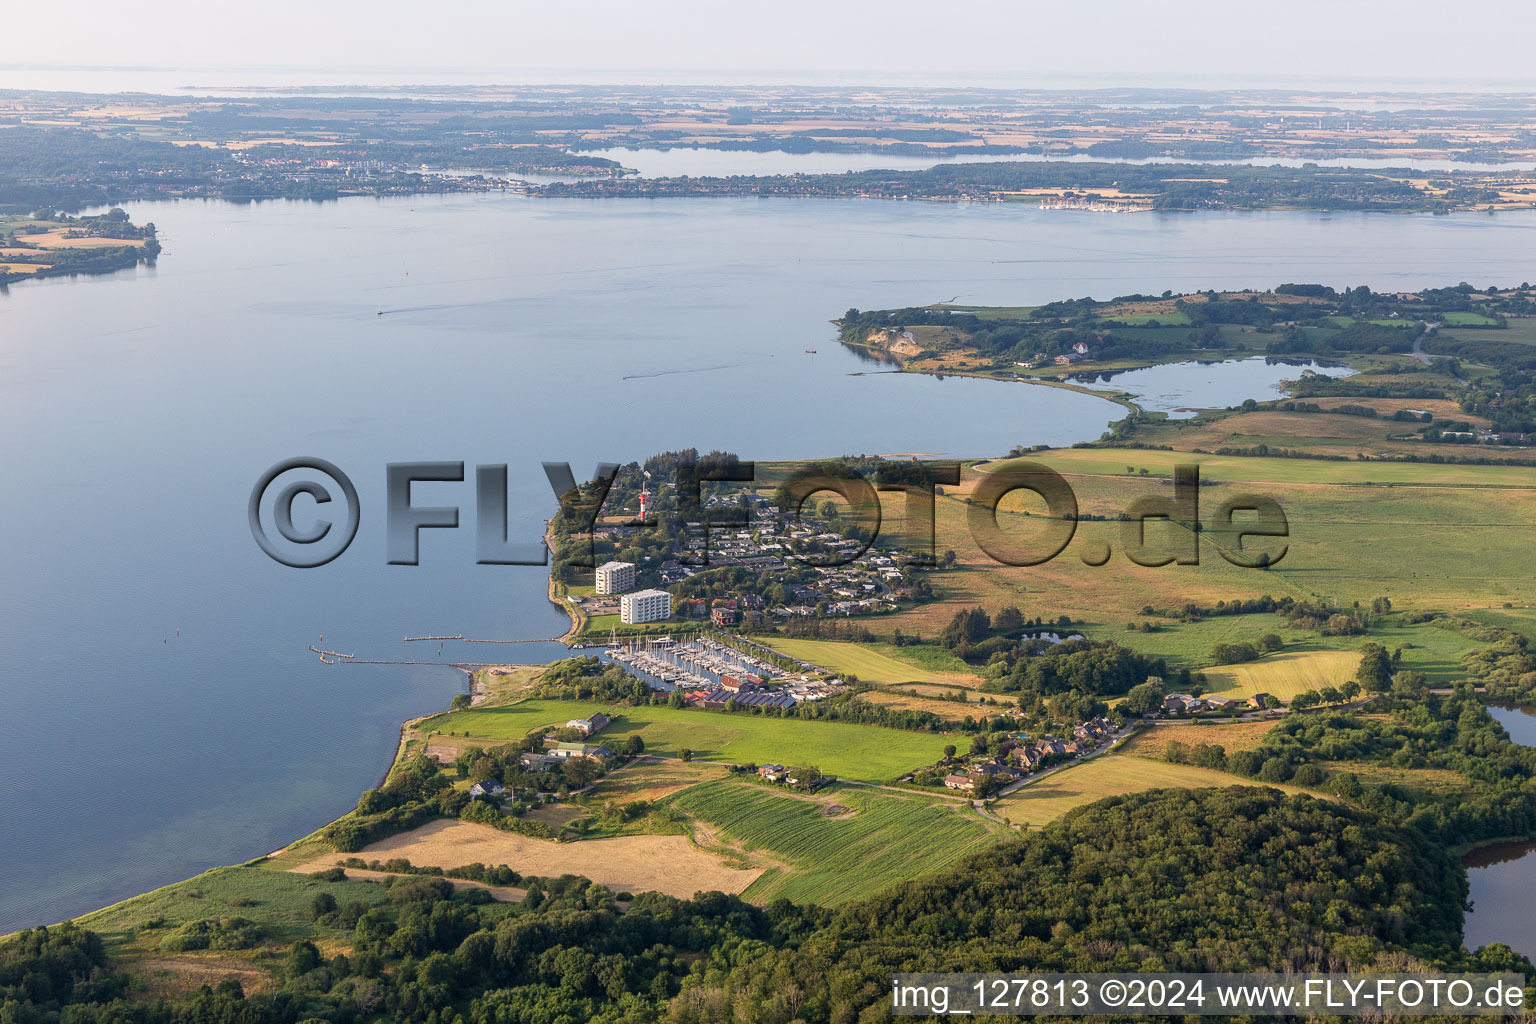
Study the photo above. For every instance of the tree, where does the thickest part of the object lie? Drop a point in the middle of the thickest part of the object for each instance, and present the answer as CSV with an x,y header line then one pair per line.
x,y
483,768
1375,672
686,754
1275,769
949,750
460,701
323,903
1144,697
303,957
1350,690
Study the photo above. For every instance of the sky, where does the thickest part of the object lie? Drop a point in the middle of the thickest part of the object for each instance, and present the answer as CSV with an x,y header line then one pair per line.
x,y
1401,44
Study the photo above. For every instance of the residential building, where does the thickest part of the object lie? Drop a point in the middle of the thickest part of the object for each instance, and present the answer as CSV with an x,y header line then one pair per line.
x,y
771,772
645,606
1259,700
588,726
564,751
490,787
615,578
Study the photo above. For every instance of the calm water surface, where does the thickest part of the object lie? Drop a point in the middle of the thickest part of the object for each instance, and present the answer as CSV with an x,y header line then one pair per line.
x,y
1179,389
163,711
1503,877
698,163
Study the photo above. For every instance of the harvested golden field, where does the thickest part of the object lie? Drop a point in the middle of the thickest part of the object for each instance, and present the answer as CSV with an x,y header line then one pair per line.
x,y
897,697
869,663
669,864
1232,737
54,238
1283,675
1110,775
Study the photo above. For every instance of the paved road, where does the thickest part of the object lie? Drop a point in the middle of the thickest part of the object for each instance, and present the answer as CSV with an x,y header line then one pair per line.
x,y
1418,343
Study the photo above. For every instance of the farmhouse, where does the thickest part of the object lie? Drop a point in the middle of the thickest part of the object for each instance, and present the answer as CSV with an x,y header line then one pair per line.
x,y
588,726
565,751
489,787
1259,700
771,772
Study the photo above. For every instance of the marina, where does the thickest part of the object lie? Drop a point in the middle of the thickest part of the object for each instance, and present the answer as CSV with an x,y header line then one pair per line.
x,y
666,663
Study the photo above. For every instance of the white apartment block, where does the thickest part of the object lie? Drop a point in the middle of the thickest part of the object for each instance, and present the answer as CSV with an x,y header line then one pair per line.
x,y
645,606
615,577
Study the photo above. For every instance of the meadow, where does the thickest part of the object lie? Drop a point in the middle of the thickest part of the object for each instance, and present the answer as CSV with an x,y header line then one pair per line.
x,y
885,839
276,899
866,753
1352,526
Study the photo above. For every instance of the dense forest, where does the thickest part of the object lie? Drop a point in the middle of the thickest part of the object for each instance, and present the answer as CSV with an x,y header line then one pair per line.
x,y
1141,882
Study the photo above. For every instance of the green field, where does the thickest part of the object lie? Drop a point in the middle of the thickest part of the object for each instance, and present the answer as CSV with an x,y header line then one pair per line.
x,y
886,839
1112,462
866,753
1110,775
878,663
1467,527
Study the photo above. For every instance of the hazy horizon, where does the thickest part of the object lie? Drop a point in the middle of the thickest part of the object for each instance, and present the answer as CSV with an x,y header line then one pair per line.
x,y
1196,43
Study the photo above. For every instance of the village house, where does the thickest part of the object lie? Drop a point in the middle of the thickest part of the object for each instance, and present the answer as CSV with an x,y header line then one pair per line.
x,y
588,726
565,751
962,782
1220,703
1259,700
771,772
488,787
